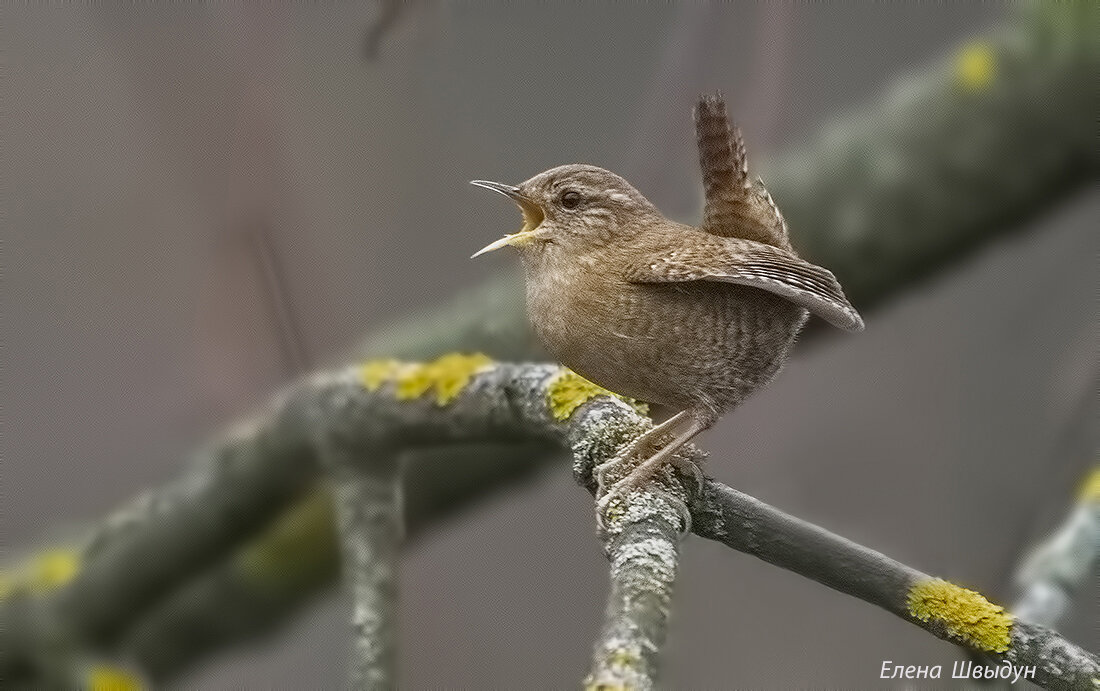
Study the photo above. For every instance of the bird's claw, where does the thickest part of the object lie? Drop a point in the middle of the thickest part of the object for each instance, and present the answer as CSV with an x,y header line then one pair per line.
x,y
638,480
686,469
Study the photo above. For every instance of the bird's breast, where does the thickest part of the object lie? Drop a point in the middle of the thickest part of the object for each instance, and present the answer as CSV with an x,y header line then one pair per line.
x,y
679,344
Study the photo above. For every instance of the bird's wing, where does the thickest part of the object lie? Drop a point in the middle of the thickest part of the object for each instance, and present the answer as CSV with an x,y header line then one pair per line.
x,y
748,263
736,206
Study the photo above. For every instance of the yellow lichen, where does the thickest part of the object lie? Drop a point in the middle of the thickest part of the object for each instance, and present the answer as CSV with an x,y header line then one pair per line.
x,y
41,573
968,616
445,377
412,381
375,373
569,390
109,678
52,568
975,65
1090,490
453,372
623,658
619,663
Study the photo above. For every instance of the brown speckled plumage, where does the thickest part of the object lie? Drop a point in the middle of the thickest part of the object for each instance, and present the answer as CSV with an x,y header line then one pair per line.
x,y
692,318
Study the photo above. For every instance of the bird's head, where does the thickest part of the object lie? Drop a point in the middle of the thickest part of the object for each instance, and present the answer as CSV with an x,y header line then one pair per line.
x,y
572,208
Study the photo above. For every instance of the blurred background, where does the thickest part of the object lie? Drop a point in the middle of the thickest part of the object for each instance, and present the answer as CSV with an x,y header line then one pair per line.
x,y
203,202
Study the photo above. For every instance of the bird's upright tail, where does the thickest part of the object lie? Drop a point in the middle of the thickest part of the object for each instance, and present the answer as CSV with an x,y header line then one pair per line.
x,y
735,207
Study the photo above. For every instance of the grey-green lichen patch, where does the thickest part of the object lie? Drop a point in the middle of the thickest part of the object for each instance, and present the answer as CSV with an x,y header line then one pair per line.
x,y
643,570
652,561
641,505
603,431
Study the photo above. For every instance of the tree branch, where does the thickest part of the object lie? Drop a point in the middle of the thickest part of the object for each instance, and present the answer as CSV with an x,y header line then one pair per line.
x,y
369,412
243,598
643,549
641,534
949,612
1034,129
1059,566
166,537
368,513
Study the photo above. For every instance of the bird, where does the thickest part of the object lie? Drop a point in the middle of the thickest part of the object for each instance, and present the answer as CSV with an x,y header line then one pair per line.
x,y
692,318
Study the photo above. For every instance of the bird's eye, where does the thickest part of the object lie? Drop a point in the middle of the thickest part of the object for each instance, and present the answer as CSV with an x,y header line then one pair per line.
x,y
570,199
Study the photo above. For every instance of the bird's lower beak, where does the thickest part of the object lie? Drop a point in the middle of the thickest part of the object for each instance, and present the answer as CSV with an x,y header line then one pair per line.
x,y
532,217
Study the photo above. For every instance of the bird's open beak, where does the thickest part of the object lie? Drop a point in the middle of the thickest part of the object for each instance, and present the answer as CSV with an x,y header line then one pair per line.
x,y
532,217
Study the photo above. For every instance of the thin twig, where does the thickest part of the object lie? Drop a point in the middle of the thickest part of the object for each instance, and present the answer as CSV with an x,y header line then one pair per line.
x,y
751,526
277,289
388,14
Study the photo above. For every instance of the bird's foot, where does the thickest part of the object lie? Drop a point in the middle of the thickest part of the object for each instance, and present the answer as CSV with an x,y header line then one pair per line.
x,y
643,447
636,479
682,427
641,478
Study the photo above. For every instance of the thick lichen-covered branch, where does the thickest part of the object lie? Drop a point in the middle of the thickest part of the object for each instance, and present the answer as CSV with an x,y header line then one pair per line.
x,y
643,547
641,533
294,558
244,597
498,401
166,537
357,413
948,156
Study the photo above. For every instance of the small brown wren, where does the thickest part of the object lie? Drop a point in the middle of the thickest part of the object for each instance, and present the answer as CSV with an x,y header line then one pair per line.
x,y
691,318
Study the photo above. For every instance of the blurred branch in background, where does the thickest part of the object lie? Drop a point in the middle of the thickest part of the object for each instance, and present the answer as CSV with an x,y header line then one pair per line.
x,y
958,155
950,157
1058,567
389,11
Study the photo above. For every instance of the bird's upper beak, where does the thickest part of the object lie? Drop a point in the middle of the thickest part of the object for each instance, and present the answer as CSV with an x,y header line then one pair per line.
x,y
532,217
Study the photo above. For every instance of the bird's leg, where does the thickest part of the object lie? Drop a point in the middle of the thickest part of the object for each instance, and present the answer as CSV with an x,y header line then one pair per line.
x,y
643,472
651,465
642,446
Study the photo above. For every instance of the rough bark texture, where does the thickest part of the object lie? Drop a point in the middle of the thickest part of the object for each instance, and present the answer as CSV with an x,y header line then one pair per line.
x,y
368,520
357,429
